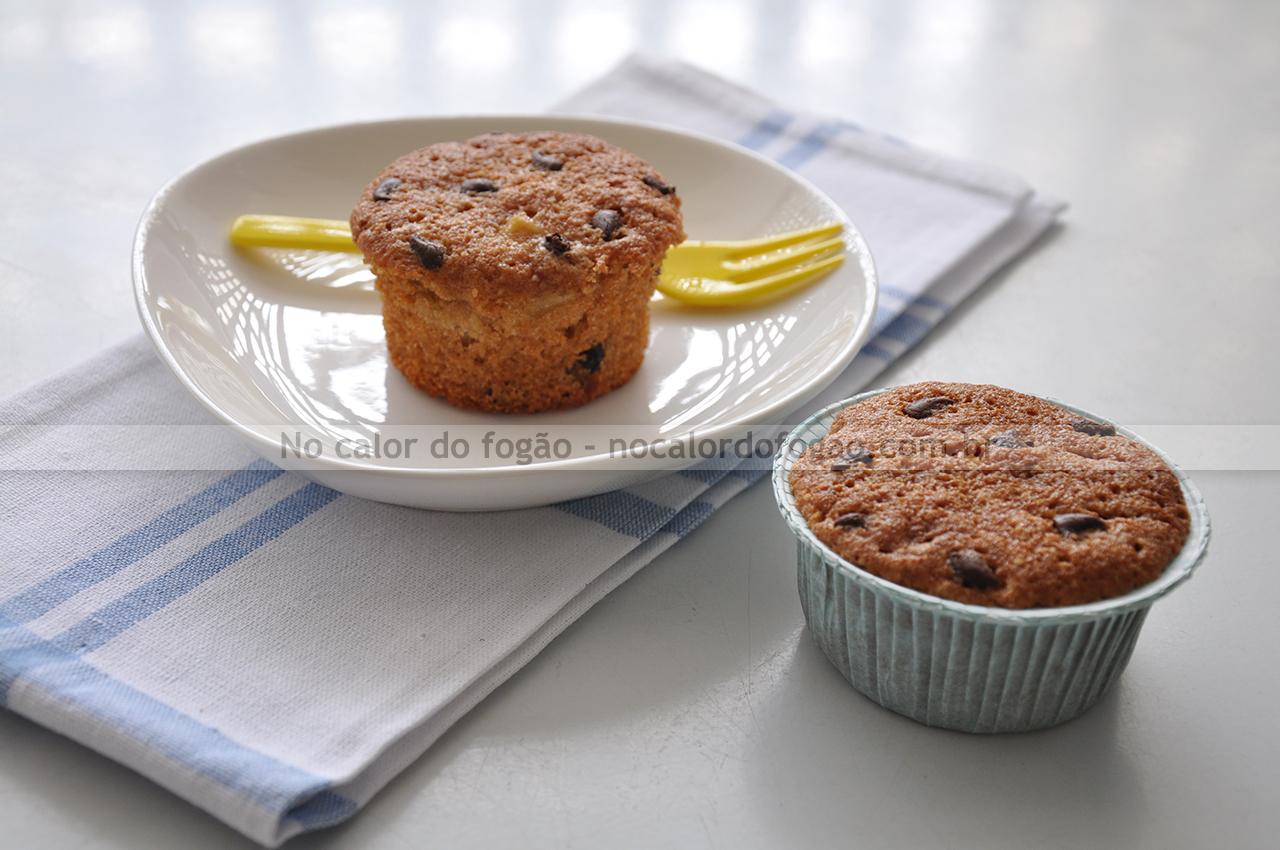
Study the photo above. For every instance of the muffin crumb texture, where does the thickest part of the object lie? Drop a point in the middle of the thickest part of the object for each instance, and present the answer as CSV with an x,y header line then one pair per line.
x,y
992,497
516,269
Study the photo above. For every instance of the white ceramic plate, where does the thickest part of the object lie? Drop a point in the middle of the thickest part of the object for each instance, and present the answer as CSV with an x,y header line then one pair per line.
x,y
287,348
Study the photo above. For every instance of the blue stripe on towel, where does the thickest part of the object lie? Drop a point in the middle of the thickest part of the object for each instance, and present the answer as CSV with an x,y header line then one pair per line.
x,y
750,473
768,129
915,300
704,475
689,518
907,329
278,787
324,809
709,471
933,303
873,350
811,145
900,294
137,544
140,603
620,511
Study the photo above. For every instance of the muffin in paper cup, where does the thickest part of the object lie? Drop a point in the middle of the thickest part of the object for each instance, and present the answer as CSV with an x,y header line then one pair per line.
x,y
961,666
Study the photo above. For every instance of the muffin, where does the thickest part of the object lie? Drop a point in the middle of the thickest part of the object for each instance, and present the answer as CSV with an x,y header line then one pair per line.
x,y
516,270
990,497
979,559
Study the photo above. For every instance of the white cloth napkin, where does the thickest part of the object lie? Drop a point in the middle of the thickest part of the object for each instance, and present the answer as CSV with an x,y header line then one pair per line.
x,y
274,651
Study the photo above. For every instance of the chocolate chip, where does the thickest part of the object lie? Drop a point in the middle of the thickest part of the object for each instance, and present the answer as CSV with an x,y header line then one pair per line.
x,y
1093,429
972,569
478,184
1008,440
592,357
925,407
857,454
658,183
547,162
430,254
386,187
1069,524
556,244
853,519
607,222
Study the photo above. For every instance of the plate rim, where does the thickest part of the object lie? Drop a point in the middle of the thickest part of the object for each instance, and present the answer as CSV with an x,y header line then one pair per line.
x,y
327,464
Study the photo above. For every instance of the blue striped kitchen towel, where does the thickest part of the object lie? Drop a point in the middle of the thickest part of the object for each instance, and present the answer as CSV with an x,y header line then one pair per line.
x,y
274,651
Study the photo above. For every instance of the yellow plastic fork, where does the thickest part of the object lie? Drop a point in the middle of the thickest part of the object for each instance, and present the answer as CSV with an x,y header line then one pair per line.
x,y
710,274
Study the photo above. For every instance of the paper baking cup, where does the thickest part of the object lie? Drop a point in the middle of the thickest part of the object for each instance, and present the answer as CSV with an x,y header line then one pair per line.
x,y
969,667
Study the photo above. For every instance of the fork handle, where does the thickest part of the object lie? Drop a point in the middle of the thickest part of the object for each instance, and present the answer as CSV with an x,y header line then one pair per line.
x,y
286,231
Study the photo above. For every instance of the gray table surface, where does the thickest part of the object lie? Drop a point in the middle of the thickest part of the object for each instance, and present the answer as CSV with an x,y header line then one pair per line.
x,y
690,708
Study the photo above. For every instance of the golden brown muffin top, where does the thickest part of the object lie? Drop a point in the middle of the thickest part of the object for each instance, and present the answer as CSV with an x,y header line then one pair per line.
x,y
990,497
511,215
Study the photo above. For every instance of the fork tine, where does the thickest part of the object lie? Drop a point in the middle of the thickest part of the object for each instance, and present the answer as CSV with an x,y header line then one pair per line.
x,y
718,293
750,247
285,231
744,271
802,274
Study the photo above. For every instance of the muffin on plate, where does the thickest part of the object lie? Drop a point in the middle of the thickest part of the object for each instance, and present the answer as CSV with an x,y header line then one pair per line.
x,y
978,558
516,270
